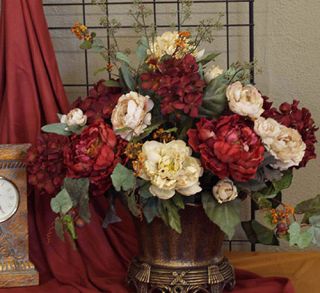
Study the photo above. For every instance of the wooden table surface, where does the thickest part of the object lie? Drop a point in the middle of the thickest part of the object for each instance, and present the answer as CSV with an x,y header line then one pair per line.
x,y
302,268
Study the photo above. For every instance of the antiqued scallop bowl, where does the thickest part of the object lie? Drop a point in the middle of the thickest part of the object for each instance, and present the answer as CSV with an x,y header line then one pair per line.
x,y
192,261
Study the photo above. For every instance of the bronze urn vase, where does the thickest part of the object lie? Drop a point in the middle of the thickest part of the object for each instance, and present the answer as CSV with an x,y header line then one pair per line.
x,y
192,261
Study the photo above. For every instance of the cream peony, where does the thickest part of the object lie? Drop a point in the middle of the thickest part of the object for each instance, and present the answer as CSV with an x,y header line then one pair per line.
x,y
284,143
169,167
225,191
245,100
131,115
212,72
74,118
164,45
268,129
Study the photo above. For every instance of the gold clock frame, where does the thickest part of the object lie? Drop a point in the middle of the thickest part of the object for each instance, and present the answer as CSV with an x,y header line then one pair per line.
x,y
16,269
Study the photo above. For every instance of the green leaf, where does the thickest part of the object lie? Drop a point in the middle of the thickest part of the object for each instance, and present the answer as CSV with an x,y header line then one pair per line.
x,y
68,221
208,58
132,205
214,99
97,46
78,189
284,182
123,178
250,233
112,83
261,200
169,212
301,239
99,70
144,192
58,224
150,210
58,128
86,45
309,206
226,215
123,58
147,131
142,49
178,201
62,202
127,76
264,235
201,71
315,222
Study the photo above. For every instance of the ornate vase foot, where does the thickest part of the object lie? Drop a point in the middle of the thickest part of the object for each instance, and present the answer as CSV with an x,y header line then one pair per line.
x,y
214,278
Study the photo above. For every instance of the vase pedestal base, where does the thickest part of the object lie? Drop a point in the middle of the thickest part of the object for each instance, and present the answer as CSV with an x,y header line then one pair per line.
x,y
146,278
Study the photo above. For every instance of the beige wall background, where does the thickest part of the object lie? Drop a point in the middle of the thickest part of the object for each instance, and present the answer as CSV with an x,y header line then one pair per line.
x,y
287,47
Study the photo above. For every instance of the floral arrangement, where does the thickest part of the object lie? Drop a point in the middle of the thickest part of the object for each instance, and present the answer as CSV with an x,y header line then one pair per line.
x,y
174,130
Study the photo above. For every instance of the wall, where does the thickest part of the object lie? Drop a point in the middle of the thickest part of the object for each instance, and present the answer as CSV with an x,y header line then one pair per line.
x,y
287,48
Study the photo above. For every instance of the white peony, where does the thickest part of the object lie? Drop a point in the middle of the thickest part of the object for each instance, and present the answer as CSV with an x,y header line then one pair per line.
x,y
169,167
288,148
74,118
245,100
131,115
284,143
164,45
167,44
225,191
212,72
268,129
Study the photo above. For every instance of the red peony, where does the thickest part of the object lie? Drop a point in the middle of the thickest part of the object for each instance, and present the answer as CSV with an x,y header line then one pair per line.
x,y
46,170
94,154
100,102
178,83
228,147
300,119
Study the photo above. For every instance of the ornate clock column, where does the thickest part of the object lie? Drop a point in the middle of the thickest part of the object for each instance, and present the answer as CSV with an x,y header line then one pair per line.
x,y
15,267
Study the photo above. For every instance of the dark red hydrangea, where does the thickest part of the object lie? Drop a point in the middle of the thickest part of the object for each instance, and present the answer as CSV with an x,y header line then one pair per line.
x,y
45,167
99,103
228,147
94,154
178,83
300,119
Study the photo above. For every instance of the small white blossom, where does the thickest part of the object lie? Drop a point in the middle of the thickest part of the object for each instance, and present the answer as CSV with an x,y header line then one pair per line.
x,y
225,191
74,118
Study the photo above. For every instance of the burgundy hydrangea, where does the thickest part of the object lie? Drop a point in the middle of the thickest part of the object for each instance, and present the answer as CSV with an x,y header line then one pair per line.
x,y
178,83
100,102
228,147
94,154
300,119
46,170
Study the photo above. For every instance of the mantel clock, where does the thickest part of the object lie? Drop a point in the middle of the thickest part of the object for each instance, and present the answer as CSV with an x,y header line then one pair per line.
x,y
16,270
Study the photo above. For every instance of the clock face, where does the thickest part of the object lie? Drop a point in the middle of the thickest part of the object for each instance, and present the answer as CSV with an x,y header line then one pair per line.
x,y
9,199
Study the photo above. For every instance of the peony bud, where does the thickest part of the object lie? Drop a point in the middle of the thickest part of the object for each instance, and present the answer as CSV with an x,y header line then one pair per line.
x,y
225,191
74,118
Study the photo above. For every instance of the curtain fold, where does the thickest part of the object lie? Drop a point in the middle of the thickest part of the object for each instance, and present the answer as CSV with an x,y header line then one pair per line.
x,y
31,93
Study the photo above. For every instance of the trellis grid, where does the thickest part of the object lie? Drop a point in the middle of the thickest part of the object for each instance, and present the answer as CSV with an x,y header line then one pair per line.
x,y
228,26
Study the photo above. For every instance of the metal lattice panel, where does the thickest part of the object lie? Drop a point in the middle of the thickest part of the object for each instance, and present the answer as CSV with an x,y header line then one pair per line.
x,y
238,17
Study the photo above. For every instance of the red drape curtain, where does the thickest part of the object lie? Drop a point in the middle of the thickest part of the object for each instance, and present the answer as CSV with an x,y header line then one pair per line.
x,y
31,94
